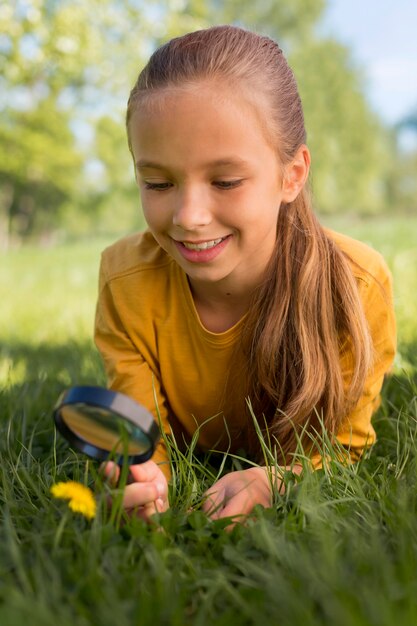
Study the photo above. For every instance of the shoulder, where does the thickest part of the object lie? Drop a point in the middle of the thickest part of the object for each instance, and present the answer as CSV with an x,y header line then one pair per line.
x,y
367,264
134,253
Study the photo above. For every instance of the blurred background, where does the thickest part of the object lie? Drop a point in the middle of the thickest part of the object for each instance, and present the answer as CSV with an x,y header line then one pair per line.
x,y
67,67
66,180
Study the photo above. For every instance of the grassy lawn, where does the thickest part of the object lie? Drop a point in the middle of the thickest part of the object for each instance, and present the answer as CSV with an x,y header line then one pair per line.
x,y
339,548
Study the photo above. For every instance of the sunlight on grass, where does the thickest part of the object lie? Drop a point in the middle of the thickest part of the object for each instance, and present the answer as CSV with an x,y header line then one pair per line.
x,y
49,294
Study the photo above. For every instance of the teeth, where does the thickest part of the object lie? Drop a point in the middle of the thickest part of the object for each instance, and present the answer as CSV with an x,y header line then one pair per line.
x,y
202,246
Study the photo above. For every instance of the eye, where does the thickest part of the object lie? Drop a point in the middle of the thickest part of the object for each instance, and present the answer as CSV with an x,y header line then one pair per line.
x,y
157,186
227,184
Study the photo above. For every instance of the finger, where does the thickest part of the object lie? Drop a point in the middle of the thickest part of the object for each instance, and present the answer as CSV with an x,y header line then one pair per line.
x,y
111,472
145,472
213,503
238,506
140,494
150,472
148,511
161,505
145,512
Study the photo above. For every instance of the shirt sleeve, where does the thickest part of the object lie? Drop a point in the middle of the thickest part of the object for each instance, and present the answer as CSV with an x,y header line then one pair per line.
x,y
356,432
127,371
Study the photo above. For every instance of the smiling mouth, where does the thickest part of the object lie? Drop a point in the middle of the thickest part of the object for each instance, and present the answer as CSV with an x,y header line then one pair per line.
x,y
203,245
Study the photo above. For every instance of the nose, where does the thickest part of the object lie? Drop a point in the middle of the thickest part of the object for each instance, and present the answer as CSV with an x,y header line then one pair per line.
x,y
192,210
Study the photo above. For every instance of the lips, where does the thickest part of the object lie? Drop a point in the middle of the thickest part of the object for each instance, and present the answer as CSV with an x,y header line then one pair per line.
x,y
202,251
202,245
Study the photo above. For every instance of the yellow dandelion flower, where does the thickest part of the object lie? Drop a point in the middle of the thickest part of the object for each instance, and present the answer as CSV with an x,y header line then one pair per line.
x,y
81,498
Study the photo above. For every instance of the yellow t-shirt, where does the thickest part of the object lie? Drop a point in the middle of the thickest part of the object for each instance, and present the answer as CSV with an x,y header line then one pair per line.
x,y
155,347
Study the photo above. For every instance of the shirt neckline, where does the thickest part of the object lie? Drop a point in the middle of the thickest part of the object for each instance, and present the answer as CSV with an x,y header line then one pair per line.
x,y
225,337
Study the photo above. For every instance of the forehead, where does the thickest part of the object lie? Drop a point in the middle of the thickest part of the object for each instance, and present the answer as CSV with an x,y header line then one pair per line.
x,y
211,120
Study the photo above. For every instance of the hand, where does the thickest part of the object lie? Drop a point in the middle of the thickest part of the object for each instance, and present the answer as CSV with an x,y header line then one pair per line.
x,y
147,491
237,493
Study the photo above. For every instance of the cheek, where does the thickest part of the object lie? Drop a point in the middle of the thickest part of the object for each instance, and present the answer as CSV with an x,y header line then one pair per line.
x,y
157,228
256,210
155,215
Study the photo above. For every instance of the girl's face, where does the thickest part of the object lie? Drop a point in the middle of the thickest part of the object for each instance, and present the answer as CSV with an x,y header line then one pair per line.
x,y
210,184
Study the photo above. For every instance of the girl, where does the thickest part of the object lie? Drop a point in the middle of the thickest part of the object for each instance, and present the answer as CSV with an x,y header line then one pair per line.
x,y
235,292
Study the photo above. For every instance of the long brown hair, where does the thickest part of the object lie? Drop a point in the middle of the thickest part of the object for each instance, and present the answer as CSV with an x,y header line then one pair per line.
x,y
307,314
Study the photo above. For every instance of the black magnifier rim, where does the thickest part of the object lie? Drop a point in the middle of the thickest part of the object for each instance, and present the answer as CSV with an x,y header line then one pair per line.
x,y
114,402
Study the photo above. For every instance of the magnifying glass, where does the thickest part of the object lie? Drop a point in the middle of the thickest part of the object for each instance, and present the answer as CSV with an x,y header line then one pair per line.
x,y
106,424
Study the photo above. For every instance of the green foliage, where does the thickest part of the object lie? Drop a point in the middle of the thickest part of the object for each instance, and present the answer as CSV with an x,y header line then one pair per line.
x,y
38,170
55,63
117,197
350,149
402,180
43,47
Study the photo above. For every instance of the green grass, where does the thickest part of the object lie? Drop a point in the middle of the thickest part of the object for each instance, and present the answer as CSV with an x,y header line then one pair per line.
x,y
339,548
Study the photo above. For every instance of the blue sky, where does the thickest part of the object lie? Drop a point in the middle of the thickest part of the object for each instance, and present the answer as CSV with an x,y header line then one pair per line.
x,y
382,35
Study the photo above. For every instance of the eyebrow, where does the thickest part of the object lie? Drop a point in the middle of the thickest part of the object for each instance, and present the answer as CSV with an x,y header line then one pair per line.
x,y
226,162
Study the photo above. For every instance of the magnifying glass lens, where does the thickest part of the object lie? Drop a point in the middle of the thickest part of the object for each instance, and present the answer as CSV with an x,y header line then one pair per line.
x,y
105,430
106,424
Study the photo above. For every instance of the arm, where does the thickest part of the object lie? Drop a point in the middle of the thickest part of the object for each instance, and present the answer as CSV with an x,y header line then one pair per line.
x,y
128,372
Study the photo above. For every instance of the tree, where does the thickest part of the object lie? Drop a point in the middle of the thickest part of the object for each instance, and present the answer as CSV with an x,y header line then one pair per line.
x,y
40,63
58,65
402,180
350,147
38,169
